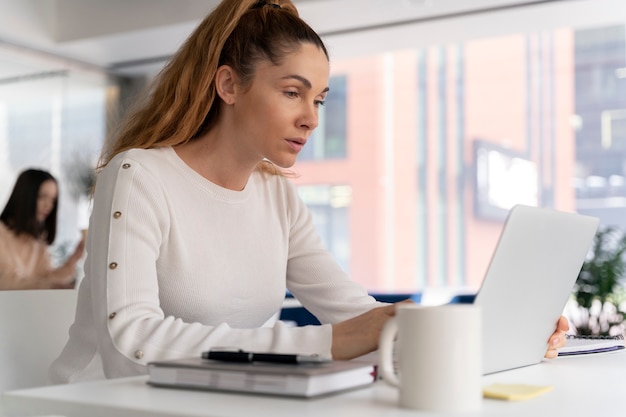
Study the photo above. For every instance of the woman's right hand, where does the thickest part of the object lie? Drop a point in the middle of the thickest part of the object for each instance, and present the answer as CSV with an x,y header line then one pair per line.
x,y
65,275
78,253
359,335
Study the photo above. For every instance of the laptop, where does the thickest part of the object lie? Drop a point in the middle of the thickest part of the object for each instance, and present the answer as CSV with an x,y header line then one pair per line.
x,y
528,283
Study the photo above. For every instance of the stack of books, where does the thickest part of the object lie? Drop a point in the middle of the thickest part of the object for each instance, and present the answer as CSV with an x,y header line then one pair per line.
x,y
294,380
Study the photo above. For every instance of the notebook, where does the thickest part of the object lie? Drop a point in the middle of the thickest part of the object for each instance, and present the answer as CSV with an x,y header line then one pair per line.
x,y
583,345
528,282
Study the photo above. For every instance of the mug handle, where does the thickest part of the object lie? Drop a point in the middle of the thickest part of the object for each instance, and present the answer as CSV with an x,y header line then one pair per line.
x,y
385,352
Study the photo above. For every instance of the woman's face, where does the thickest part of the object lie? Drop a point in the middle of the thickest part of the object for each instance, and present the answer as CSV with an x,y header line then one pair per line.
x,y
277,113
46,199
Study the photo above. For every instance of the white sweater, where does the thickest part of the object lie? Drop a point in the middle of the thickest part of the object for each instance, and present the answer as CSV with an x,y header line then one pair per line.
x,y
177,265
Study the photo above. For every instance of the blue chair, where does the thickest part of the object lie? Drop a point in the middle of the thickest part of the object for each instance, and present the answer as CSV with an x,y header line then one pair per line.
x,y
303,317
463,299
298,315
395,297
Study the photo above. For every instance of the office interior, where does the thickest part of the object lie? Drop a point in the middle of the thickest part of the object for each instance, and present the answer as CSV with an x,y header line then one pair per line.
x,y
441,115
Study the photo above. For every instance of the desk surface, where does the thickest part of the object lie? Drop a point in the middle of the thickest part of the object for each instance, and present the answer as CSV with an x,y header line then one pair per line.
x,y
583,386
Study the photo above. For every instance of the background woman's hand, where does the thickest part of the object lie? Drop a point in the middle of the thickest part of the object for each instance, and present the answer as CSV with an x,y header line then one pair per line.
x,y
557,340
78,253
359,335
65,275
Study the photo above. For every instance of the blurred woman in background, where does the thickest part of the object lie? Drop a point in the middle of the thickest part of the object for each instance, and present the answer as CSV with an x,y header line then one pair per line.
x,y
27,229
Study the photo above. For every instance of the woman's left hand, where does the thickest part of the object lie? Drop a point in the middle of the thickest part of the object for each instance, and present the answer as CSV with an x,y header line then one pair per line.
x,y
557,340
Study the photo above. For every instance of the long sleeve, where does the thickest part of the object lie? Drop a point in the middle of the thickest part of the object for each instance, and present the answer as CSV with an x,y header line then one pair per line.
x,y
177,265
314,277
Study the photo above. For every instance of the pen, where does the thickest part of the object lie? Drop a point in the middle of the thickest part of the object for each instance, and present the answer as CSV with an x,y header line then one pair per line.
x,y
248,357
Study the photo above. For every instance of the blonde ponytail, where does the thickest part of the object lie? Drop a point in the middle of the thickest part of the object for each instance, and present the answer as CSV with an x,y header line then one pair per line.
x,y
182,103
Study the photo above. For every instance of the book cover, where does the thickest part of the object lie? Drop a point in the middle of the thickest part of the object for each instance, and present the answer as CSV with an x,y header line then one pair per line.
x,y
301,380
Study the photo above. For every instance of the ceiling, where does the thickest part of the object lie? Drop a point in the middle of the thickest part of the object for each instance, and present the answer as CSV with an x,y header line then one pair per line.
x,y
135,37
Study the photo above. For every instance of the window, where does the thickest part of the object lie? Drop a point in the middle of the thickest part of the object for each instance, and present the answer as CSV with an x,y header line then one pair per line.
x,y
420,98
52,117
330,207
328,141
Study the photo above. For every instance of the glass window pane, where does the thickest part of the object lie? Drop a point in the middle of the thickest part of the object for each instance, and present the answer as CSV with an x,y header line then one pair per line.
x,y
546,99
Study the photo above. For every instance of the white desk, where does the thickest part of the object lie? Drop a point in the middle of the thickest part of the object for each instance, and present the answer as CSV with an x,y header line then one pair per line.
x,y
584,386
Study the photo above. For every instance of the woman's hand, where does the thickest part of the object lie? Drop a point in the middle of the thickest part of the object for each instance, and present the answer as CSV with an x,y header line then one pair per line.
x,y
557,340
65,275
359,335
78,254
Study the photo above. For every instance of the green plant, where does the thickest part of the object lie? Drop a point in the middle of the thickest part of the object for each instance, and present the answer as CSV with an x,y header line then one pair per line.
x,y
599,291
81,175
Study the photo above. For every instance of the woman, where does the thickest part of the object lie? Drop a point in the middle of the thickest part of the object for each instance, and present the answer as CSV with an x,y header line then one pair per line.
x,y
196,233
27,228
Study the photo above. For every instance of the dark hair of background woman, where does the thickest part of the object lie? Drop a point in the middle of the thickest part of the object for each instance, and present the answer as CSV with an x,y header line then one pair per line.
x,y
20,213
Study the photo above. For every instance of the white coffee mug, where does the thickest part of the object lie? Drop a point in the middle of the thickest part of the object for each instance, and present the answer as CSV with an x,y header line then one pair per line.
x,y
439,356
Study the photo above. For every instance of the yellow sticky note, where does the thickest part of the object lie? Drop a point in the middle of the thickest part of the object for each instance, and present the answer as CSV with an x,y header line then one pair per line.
x,y
514,392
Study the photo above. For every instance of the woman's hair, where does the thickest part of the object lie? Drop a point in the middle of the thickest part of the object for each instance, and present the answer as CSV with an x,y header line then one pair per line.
x,y
182,104
20,213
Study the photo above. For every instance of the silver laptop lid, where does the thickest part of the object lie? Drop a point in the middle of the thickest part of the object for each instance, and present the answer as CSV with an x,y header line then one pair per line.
x,y
528,282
